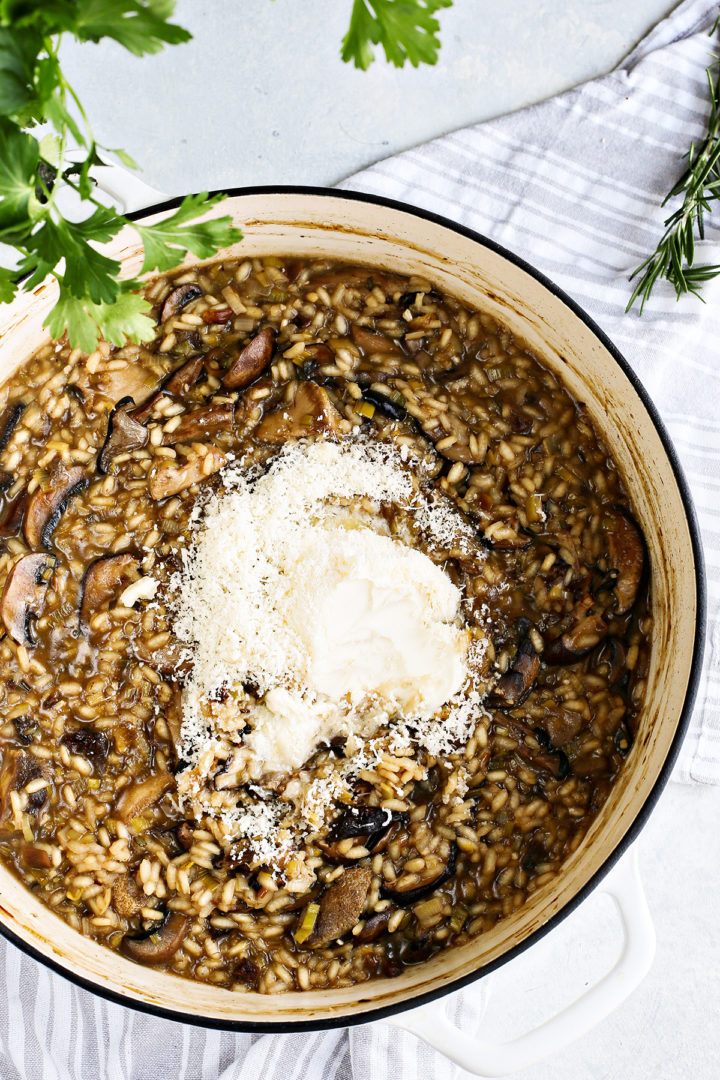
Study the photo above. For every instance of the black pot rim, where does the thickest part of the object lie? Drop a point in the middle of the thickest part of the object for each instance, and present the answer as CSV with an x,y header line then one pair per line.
x,y
380,1013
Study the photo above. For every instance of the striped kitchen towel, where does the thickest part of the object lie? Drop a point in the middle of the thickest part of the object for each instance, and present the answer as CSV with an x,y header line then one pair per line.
x,y
574,185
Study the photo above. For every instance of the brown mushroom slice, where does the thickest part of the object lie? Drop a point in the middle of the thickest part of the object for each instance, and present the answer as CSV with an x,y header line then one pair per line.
x,y
170,478
134,380
140,794
161,944
627,559
13,515
371,342
553,762
375,926
45,508
36,857
311,413
9,418
369,828
124,434
93,745
251,362
609,659
341,906
408,888
217,315
18,769
576,642
201,422
24,594
127,898
177,384
513,687
103,578
562,725
179,298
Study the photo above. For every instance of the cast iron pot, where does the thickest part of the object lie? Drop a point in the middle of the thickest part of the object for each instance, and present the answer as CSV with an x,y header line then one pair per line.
x,y
375,232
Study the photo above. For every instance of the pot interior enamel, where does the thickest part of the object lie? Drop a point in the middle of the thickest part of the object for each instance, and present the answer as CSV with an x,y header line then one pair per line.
x,y
364,231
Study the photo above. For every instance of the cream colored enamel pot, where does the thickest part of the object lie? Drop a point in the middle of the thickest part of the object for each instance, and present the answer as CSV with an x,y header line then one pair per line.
x,y
359,229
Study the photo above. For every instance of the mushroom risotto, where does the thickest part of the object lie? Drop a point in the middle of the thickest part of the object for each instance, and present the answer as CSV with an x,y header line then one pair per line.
x,y
326,627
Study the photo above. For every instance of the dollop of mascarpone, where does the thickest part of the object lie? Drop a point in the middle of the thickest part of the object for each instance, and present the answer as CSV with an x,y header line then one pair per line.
x,y
376,622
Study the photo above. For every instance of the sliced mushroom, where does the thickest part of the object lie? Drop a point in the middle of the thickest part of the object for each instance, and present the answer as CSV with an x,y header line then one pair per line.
x,y
178,299
24,595
93,745
392,407
36,857
371,828
201,422
251,362
627,559
562,725
13,515
103,578
375,926
609,659
169,478
408,888
124,434
18,769
359,821
140,794
576,642
161,944
513,687
311,413
177,384
216,315
554,763
45,508
341,906
184,834
127,898
370,342
9,418
134,380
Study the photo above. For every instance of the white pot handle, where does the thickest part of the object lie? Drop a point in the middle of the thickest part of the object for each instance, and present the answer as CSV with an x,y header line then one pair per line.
x,y
484,1058
126,189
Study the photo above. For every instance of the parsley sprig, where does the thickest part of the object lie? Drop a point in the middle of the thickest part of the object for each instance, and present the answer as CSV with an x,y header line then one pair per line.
x,y
699,186
406,29
93,300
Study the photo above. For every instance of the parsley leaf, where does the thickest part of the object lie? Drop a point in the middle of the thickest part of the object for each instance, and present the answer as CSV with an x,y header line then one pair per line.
x,y
406,29
142,27
126,318
167,241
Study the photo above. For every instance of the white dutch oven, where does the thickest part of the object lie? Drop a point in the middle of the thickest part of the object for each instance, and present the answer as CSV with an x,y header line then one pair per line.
x,y
360,229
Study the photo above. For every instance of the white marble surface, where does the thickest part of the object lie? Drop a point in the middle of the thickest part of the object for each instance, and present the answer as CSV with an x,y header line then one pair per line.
x,y
260,97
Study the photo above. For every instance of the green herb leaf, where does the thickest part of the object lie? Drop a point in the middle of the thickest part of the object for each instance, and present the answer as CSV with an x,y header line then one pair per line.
x,y
126,319
169,240
699,186
406,29
141,26
8,285
19,157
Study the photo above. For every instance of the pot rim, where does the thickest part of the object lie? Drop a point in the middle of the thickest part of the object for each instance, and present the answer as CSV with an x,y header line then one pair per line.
x,y
640,819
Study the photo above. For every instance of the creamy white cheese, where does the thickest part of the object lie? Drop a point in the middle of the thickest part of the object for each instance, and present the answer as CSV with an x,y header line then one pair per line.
x,y
338,626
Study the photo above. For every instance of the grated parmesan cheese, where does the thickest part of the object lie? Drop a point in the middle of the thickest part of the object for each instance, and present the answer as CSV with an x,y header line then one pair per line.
x,y
294,589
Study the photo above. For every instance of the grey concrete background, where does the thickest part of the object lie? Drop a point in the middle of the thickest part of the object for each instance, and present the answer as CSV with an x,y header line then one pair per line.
x,y
260,96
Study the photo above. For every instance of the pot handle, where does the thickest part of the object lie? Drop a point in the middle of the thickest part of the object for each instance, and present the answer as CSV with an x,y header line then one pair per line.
x,y
126,189
484,1058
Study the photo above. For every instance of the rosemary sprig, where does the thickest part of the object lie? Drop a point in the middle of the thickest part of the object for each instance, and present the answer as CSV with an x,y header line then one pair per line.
x,y
699,185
